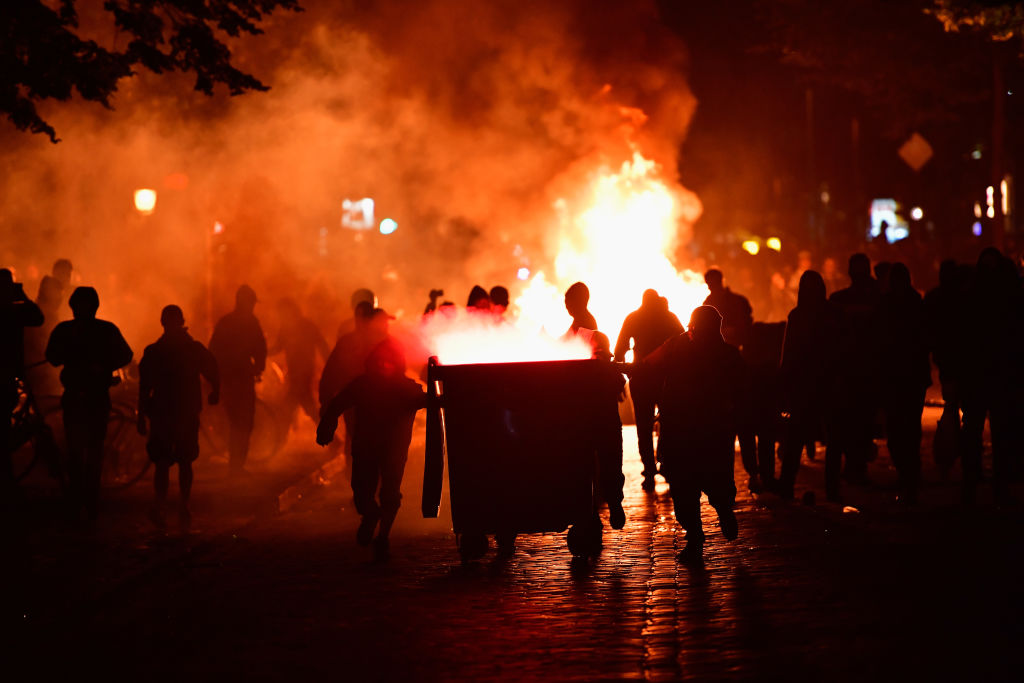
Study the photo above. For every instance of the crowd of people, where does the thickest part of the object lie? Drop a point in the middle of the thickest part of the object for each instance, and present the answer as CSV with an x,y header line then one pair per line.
x,y
844,369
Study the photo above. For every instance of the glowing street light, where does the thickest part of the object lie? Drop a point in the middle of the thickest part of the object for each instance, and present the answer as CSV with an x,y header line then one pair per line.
x,y
388,226
773,243
917,213
145,201
751,247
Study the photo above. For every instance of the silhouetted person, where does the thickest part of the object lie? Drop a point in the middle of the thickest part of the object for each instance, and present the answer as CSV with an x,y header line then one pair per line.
x,y
905,375
300,340
17,313
171,398
703,382
385,403
499,300
576,299
348,360
89,350
881,270
52,297
944,307
853,401
992,376
737,315
240,348
806,373
607,432
478,299
647,328
761,406
435,294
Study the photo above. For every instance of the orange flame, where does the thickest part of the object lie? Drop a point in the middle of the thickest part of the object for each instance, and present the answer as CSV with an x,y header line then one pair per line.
x,y
619,244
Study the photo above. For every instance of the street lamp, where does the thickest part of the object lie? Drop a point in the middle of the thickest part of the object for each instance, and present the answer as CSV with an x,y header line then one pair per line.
x,y
145,201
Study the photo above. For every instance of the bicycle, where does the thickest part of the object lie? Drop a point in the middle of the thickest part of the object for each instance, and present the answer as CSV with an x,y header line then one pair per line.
x,y
29,428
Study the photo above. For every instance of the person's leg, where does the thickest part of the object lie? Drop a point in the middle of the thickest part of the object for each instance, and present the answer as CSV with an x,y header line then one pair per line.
x,y
9,398
834,447
365,477
767,444
643,412
96,437
975,411
75,440
240,405
685,493
792,446
161,477
609,471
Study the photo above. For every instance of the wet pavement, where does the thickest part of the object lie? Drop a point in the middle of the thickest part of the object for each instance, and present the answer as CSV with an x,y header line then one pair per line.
x,y
868,590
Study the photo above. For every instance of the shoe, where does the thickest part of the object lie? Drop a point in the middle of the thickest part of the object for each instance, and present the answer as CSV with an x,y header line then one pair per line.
x,y
754,484
730,527
364,535
381,549
616,515
648,484
506,544
693,553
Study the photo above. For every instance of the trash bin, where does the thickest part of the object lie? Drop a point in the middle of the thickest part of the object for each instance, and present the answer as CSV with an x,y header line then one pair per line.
x,y
520,444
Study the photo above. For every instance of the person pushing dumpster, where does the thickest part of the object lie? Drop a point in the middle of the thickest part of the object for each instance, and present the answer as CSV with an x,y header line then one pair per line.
x,y
385,402
702,383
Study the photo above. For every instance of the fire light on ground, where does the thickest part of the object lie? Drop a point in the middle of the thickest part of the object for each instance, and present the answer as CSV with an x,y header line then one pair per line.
x,y
618,239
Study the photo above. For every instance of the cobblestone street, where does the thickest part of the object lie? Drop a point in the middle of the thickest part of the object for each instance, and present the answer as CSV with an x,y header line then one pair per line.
x,y
808,592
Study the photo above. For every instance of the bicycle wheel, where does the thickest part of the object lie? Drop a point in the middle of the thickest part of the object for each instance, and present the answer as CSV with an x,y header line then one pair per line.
x,y
125,460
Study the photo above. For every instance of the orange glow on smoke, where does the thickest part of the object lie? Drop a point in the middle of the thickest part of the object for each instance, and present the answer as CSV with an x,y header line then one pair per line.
x,y
459,337
618,241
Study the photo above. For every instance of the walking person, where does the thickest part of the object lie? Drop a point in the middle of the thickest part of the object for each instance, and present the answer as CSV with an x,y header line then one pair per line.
x,y
170,398
240,348
90,350
646,328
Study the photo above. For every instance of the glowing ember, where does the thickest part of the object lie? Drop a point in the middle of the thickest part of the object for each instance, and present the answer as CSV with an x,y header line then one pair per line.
x,y
618,241
462,337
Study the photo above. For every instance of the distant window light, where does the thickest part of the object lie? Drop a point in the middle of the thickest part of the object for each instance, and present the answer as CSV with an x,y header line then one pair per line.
x,y
917,213
145,201
357,214
773,243
976,229
388,226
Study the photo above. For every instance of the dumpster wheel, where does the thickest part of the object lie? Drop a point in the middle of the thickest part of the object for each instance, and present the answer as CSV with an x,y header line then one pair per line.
x,y
585,539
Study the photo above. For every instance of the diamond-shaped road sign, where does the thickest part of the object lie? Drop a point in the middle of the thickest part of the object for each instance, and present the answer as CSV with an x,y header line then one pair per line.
x,y
915,152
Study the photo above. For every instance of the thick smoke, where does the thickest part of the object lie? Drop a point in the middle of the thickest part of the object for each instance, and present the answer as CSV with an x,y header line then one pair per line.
x,y
464,121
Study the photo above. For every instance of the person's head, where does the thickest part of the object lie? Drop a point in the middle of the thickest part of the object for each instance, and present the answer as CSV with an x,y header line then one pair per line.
x,y
576,299
650,299
803,260
245,299
882,269
84,303
172,318
602,347
62,271
899,278
478,298
859,268
362,314
386,360
705,324
499,299
948,273
713,278
829,267
811,291
363,295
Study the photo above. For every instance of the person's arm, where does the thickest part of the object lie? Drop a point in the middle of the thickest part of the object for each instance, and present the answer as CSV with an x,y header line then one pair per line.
x,y
56,346
338,405
259,353
211,371
120,352
145,393
622,344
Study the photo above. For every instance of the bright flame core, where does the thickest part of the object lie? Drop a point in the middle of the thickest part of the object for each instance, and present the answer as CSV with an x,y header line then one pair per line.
x,y
618,242
459,337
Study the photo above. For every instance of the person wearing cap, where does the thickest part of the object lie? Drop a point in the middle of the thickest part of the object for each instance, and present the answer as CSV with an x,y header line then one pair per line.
x,y
170,398
384,402
703,382
240,348
90,350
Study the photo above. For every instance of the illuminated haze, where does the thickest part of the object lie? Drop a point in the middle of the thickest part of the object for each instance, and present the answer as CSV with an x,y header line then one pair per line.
x,y
464,121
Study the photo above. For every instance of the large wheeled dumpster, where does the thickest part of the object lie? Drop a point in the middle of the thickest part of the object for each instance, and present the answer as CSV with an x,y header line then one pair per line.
x,y
520,444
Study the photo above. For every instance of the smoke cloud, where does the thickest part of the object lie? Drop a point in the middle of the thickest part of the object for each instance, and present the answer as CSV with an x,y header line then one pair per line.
x,y
465,122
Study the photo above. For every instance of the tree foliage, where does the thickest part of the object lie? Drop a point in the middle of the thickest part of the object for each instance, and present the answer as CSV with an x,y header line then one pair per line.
x,y
1001,21
44,56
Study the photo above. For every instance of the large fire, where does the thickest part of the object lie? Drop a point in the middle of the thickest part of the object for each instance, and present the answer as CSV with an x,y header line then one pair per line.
x,y
617,238
618,243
